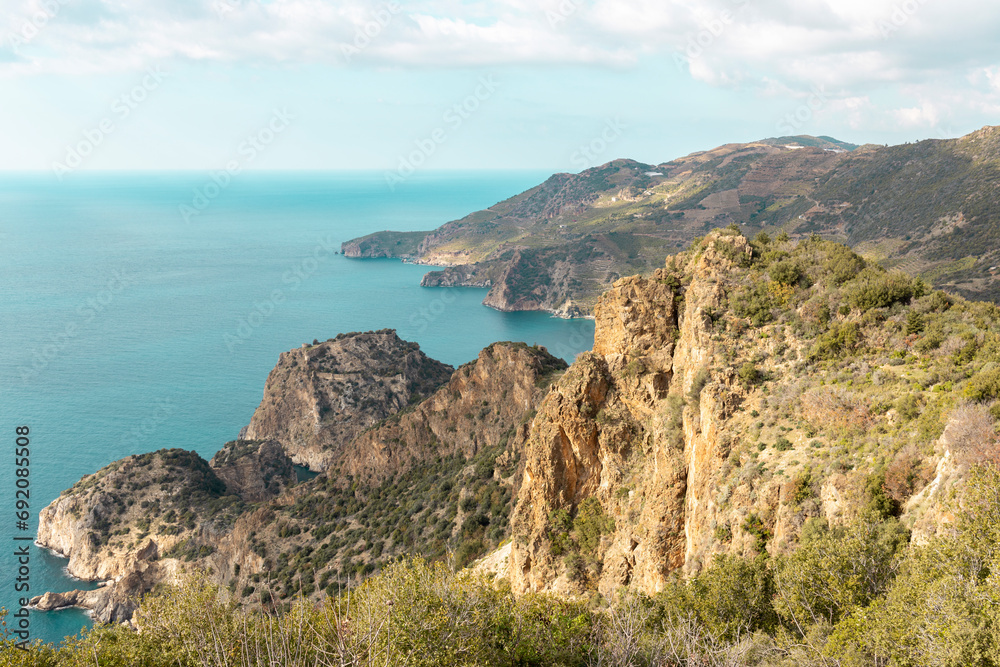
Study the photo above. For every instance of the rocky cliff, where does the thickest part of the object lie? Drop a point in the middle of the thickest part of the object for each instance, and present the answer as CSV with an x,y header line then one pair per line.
x,y
481,407
730,398
319,397
452,459
743,392
132,523
463,275
386,244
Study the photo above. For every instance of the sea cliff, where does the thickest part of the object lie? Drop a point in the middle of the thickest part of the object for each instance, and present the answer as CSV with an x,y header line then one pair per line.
x,y
742,392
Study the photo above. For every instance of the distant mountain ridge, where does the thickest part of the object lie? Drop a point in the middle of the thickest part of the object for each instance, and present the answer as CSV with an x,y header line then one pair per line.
x,y
926,208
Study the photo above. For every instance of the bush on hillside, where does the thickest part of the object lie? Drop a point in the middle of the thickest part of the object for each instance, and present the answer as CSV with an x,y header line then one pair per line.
x,y
875,288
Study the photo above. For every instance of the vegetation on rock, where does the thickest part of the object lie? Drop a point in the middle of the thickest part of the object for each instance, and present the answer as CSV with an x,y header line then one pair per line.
x,y
926,208
778,453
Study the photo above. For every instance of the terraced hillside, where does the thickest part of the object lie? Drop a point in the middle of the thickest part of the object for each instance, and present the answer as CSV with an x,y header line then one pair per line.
x,y
927,208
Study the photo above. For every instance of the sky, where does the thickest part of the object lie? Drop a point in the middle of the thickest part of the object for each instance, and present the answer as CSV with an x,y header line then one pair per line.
x,y
464,84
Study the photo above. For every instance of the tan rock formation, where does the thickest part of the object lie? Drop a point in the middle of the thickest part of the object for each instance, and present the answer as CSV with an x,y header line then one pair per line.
x,y
319,397
482,405
643,425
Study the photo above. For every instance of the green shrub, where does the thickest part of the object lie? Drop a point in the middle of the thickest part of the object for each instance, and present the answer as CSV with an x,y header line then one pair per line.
x,y
785,272
879,501
984,386
735,595
842,263
908,407
749,375
591,522
754,525
701,378
468,551
839,570
839,339
802,489
754,302
875,288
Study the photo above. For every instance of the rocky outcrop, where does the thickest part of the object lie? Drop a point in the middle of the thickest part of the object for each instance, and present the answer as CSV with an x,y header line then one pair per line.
x,y
140,520
319,397
358,250
464,275
254,470
609,431
696,362
116,600
660,426
483,405
384,244
133,522
535,280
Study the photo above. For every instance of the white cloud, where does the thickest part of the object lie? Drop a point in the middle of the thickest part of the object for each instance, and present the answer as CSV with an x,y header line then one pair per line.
x,y
986,77
925,115
850,46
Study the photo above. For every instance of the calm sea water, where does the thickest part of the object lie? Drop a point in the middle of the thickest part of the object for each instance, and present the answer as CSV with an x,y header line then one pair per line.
x,y
125,328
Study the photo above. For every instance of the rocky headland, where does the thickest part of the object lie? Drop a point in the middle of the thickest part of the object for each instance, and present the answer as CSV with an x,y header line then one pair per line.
x,y
742,392
559,245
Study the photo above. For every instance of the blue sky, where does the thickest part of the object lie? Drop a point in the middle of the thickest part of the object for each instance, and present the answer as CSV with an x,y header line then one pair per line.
x,y
453,84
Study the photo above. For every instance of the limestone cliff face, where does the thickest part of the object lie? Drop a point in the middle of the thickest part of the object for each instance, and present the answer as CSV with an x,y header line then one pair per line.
x,y
704,418
481,406
319,397
608,431
653,425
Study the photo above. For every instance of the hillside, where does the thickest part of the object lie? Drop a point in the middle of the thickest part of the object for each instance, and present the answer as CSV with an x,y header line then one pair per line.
x,y
765,437
926,208
740,393
437,476
733,396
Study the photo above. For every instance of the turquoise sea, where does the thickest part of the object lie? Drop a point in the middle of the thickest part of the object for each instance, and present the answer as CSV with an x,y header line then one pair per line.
x,y
125,328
